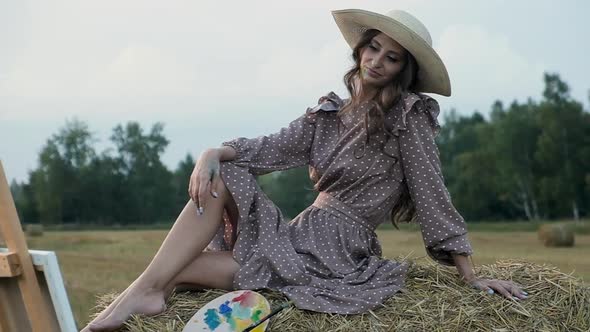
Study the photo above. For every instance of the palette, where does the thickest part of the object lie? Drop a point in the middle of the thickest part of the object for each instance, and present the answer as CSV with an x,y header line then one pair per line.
x,y
231,312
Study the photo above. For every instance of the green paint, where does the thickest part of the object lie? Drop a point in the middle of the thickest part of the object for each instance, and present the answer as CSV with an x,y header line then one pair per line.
x,y
256,315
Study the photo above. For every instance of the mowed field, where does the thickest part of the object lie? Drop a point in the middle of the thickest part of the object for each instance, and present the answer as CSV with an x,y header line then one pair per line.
x,y
97,262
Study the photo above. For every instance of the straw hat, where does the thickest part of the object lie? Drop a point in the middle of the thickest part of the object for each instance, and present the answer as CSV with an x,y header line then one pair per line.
x,y
409,32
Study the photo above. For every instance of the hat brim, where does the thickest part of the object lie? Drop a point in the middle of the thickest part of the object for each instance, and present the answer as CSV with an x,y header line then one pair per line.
x,y
432,73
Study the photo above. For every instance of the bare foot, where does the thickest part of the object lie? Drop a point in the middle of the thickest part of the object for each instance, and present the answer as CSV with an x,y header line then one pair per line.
x,y
107,311
133,301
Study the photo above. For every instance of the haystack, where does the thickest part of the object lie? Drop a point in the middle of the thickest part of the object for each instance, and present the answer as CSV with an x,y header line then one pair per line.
x,y
34,229
556,235
435,300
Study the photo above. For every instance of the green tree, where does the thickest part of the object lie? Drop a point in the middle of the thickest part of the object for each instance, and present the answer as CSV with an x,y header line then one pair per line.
x,y
148,195
104,190
563,149
469,166
24,201
474,188
291,190
180,181
514,144
57,182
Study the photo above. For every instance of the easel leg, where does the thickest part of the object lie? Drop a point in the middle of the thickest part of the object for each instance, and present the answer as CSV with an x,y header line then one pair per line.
x,y
11,230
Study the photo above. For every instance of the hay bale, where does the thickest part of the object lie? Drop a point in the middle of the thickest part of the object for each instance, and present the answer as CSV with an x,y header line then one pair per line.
x,y
435,301
556,235
34,229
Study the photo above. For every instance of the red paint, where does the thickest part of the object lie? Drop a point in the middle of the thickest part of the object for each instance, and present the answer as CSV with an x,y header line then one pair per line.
x,y
247,299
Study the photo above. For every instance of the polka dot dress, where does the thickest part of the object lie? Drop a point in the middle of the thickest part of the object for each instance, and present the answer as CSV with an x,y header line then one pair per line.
x,y
328,258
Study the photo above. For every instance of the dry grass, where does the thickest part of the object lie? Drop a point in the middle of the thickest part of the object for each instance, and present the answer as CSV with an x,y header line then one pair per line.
x,y
435,300
96,263
490,247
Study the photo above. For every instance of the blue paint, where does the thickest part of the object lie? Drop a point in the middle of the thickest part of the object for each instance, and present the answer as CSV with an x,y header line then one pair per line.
x,y
212,319
225,309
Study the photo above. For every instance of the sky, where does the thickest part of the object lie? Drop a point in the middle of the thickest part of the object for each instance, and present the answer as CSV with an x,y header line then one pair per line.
x,y
215,70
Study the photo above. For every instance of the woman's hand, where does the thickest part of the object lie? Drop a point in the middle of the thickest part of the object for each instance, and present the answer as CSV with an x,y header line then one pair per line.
x,y
508,289
205,178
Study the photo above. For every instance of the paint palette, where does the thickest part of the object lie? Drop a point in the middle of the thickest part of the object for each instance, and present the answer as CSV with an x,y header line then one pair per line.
x,y
231,312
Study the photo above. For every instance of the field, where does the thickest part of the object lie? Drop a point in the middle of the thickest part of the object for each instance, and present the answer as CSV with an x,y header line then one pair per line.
x,y
96,262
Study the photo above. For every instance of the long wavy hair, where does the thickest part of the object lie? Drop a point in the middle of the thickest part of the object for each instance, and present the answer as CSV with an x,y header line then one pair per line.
x,y
385,99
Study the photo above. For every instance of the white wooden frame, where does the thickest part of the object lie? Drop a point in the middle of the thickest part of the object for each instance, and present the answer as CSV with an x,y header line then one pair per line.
x,y
46,262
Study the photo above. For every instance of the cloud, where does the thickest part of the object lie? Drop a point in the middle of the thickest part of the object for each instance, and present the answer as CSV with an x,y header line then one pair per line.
x,y
111,48
294,72
142,70
484,66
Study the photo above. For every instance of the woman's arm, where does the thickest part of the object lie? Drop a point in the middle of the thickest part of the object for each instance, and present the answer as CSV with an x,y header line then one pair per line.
x,y
464,268
443,228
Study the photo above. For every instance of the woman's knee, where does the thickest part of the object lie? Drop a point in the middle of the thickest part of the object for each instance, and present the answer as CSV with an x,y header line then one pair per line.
x,y
222,189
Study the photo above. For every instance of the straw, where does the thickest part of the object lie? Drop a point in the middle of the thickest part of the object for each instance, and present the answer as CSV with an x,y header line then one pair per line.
x,y
435,299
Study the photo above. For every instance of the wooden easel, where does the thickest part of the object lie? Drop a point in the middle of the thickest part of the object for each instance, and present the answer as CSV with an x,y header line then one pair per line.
x,y
27,300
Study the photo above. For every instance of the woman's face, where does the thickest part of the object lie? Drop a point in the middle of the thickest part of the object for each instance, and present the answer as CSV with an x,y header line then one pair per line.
x,y
381,61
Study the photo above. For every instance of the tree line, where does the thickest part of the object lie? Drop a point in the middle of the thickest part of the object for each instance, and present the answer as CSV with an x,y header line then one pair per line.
x,y
527,161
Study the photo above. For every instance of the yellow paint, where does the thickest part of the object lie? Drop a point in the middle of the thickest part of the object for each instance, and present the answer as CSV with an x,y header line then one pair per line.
x,y
259,328
242,324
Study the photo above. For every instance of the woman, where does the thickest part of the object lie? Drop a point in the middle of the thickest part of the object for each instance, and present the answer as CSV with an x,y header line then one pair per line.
x,y
371,156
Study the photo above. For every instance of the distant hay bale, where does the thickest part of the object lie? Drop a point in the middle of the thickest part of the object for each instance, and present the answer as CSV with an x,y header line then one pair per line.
x,y
435,301
34,229
556,235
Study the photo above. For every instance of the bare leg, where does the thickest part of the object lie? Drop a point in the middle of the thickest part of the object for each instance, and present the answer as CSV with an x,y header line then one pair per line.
x,y
186,240
211,269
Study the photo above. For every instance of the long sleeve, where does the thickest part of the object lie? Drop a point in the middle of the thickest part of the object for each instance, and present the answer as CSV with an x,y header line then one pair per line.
x,y
443,229
289,147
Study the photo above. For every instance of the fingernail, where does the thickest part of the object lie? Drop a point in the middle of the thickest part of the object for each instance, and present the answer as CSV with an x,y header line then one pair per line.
x,y
516,298
201,210
525,293
490,291
215,194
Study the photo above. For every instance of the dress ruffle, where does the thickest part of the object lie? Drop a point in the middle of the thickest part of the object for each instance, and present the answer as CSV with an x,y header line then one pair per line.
x,y
330,102
424,103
